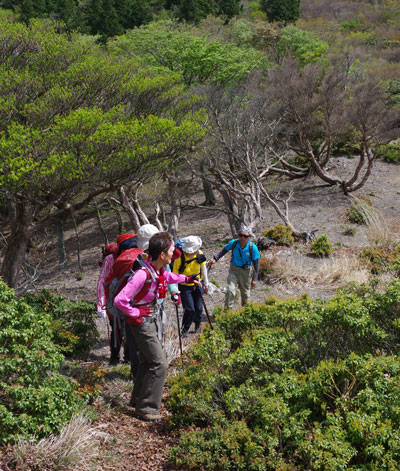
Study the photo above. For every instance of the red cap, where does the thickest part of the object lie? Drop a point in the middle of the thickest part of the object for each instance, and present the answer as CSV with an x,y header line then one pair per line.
x,y
121,238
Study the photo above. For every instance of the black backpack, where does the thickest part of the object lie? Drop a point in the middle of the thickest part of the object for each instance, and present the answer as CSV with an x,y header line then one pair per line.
x,y
200,258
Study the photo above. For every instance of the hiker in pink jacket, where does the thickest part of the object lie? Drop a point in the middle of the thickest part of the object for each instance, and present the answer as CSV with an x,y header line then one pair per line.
x,y
137,301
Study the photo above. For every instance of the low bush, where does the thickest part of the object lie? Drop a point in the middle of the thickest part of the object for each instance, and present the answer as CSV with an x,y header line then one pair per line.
x,y
377,260
294,385
36,399
280,233
391,152
73,322
266,268
321,246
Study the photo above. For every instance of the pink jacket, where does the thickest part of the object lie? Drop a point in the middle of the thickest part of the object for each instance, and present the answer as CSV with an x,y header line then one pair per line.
x,y
123,299
106,268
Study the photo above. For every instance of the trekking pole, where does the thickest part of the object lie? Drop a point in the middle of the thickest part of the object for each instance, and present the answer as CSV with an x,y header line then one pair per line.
x,y
205,308
175,298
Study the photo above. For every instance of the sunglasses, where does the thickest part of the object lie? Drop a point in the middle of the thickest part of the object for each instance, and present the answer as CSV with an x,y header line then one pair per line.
x,y
244,235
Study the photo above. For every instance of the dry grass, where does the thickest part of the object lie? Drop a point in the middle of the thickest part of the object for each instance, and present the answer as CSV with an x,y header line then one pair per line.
x,y
334,272
77,443
380,231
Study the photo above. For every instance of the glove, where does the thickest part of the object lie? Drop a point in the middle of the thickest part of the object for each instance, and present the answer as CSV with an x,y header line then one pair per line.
x,y
145,311
191,278
176,299
101,313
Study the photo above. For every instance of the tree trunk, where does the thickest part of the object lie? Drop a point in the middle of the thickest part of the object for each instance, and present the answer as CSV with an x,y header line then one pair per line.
x,y
130,211
175,207
12,208
78,243
21,232
100,223
62,256
210,200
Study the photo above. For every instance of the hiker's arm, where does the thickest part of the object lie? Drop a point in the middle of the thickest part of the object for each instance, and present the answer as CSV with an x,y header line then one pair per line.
x,y
204,274
123,299
174,277
172,287
105,271
256,265
218,256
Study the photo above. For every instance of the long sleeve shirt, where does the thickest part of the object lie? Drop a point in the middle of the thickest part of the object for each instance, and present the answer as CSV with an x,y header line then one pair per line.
x,y
192,267
106,269
241,257
123,300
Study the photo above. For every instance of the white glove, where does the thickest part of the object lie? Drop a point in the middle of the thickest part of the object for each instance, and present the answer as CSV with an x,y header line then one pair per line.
x,y
101,313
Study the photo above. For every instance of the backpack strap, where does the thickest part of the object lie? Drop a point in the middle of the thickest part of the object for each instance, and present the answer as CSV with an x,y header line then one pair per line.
x,y
150,278
185,262
250,249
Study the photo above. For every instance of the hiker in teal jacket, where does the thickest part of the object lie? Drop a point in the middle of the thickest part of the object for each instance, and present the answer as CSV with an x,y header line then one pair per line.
x,y
244,267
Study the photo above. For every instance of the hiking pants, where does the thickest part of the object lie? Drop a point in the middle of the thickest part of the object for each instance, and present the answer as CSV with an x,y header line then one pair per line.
x,y
115,349
152,369
133,351
192,305
240,278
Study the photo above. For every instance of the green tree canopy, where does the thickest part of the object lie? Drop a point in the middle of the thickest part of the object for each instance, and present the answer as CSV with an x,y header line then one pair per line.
x,y
281,11
193,11
77,124
197,58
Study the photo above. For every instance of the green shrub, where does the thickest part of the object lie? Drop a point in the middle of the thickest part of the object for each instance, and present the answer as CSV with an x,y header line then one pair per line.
x,y
281,233
73,326
321,246
266,267
293,385
36,400
391,153
377,260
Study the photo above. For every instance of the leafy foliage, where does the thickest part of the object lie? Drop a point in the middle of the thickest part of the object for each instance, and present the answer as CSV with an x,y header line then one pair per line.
x,y
321,246
391,152
197,58
376,259
73,325
75,122
281,233
302,45
289,383
193,11
281,11
35,398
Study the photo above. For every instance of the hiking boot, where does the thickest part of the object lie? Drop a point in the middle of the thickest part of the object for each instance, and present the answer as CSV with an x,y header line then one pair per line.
x,y
197,327
185,333
147,417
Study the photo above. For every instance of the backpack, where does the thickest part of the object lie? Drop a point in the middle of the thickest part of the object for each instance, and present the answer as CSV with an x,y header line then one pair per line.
x,y
124,267
178,245
107,250
199,258
250,249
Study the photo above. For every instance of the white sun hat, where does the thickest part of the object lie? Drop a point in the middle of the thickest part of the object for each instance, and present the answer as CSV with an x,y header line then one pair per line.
x,y
191,244
144,234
